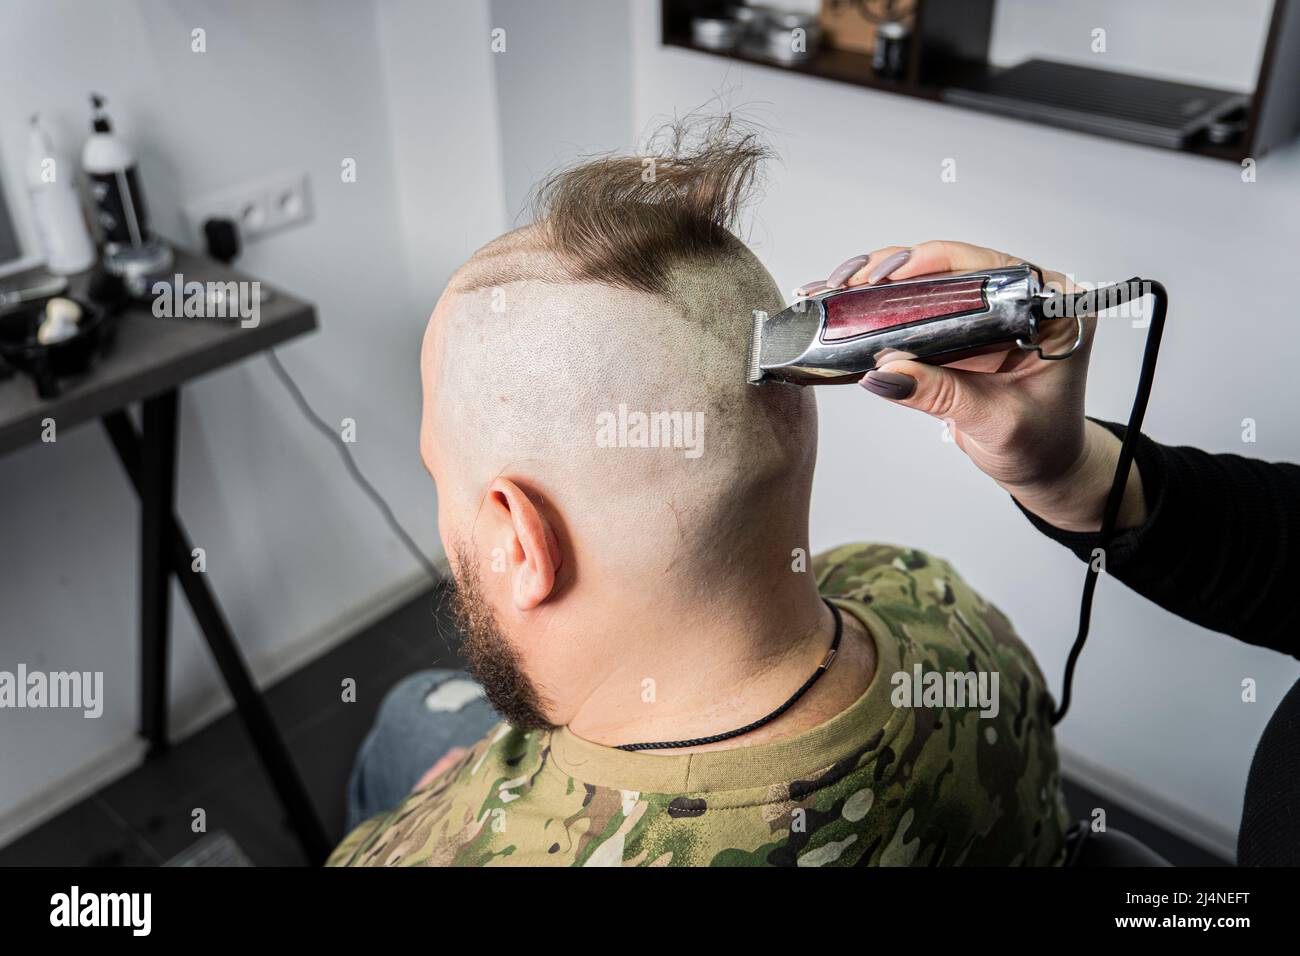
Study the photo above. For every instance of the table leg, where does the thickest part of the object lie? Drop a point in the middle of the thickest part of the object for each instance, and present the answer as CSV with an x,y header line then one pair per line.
x,y
157,494
251,706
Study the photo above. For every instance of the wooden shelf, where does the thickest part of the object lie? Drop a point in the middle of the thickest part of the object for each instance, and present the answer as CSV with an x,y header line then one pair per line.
x,y
949,57
843,66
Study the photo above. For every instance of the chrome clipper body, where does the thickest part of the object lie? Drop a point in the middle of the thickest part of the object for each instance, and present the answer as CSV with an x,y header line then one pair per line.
x,y
839,336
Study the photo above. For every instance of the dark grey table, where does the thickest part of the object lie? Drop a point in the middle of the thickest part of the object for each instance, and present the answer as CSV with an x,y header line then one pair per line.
x,y
149,362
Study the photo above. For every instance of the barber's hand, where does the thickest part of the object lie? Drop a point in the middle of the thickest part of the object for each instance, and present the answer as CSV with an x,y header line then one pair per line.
x,y
1020,419
445,762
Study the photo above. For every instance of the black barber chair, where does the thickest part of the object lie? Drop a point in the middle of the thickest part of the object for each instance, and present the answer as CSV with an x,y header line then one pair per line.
x,y
1270,824
1270,819
1083,847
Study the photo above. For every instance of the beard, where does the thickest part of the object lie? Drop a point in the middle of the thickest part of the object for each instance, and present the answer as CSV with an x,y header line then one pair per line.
x,y
493,662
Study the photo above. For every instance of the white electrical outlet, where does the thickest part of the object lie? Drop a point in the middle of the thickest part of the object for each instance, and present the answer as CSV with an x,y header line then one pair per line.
x,y
258,208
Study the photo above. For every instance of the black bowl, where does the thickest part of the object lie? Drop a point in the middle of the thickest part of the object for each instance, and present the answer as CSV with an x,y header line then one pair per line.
x,y
46,364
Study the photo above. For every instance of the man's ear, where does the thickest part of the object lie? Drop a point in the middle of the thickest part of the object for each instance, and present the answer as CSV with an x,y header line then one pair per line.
x,y
532,551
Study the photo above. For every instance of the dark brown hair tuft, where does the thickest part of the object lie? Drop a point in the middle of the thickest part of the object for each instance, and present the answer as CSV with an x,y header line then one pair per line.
x,y
628,220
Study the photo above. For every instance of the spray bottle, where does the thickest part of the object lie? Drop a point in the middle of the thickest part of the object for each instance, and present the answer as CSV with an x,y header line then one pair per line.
x,y
56,207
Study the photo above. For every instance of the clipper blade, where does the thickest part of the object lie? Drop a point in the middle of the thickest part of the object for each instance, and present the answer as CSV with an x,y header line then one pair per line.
x,y
755,374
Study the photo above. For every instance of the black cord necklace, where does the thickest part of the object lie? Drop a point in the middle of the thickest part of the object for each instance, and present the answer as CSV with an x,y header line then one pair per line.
x,y
698,741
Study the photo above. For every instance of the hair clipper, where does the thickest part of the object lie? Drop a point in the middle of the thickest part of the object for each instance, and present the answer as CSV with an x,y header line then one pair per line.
x,y
839,336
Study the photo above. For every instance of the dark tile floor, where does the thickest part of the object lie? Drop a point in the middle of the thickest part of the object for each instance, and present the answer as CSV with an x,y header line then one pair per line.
x,y
144,818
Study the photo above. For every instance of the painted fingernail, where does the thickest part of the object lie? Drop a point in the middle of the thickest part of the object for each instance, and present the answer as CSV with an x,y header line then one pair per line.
x,y
889,385
889,266
810,288
841,273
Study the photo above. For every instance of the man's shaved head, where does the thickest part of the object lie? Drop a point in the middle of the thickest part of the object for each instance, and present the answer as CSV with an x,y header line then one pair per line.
x,y
629,296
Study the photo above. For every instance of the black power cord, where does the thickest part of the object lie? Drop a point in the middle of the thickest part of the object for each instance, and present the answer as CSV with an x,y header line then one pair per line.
x,y
350,463
1086,303
222,239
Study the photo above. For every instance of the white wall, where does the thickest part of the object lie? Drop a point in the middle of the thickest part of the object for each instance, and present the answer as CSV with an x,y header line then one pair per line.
x,y
1204,42
293,547
1157,700
440,91
564,88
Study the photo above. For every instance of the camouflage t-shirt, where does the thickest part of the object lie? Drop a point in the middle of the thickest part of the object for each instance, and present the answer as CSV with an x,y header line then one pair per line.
x,y
909,774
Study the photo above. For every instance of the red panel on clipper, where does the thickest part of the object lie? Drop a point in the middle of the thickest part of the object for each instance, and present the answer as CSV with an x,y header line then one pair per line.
x,y
861,311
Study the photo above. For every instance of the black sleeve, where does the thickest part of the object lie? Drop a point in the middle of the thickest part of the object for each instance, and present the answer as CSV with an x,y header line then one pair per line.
x,y
1220,546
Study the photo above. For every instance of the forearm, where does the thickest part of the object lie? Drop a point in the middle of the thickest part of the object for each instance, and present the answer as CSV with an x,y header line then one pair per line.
x,y
1076,500
1215,538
